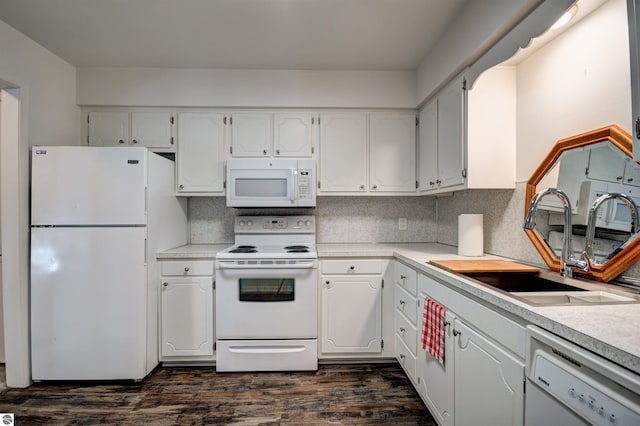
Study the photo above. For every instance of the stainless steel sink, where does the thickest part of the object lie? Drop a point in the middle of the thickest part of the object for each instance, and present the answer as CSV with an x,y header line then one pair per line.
x,y
572,298
538,290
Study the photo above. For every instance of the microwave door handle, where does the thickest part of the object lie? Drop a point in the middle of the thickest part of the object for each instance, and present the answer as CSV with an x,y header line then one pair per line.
x,y
294,187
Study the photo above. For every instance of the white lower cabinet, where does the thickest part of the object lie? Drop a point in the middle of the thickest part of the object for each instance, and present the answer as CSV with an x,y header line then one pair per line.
x,y
435,384
352,306
482,378
489,383
406,321
186,311
352,314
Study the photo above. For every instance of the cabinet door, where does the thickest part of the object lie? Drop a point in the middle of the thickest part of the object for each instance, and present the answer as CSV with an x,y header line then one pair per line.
x,y
428,147
200,152
152,129
631,172
392,147
435,380
187,317
489,383
351,314
251,134
451,134
343,153
606,163
293,135
108,128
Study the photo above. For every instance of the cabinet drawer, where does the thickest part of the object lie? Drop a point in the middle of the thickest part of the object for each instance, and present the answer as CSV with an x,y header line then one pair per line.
x,y
355,266
406,304
406,359
407,332
187,268
406,277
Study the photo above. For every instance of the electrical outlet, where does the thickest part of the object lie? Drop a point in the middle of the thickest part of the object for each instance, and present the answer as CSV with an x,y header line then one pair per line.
x,y
402,223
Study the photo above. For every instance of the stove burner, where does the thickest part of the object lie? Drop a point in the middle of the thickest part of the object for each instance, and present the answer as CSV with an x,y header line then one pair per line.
x,y
296,248
244,249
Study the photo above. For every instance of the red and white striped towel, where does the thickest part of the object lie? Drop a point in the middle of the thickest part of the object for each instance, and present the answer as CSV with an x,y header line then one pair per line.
x,y
433,329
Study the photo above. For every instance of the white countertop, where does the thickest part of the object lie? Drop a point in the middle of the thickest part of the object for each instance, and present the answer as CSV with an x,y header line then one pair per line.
x,y
612,331
206,251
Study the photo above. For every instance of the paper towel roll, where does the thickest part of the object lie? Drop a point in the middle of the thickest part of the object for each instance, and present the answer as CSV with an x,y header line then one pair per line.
x,y
470,235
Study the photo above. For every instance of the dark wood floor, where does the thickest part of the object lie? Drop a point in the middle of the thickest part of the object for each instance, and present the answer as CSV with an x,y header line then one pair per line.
x,y
335,394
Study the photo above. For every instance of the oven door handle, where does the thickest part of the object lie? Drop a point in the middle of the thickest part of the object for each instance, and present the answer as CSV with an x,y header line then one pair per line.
x,y
232,264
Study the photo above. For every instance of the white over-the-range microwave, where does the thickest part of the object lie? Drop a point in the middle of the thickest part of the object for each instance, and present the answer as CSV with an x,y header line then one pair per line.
x,y
613,214
258,182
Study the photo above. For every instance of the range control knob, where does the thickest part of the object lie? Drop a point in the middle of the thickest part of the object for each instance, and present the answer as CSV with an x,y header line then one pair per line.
x,y
249,223
307,223
300,223
241,223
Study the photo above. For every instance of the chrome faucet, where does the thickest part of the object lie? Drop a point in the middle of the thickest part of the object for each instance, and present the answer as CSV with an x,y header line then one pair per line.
x,y
567,261
591,224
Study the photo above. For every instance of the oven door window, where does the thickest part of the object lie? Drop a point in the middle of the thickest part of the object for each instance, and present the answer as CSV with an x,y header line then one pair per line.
x,y
267,289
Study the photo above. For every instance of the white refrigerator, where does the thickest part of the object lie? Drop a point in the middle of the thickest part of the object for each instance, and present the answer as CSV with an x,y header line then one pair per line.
x,y
99,215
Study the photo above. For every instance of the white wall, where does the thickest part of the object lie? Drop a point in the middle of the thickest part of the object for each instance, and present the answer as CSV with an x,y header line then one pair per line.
x,y
245,88
578,82
45,113
478,26
50,85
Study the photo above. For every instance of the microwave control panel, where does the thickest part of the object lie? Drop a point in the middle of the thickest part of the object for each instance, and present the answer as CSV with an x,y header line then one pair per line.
x,y
305,184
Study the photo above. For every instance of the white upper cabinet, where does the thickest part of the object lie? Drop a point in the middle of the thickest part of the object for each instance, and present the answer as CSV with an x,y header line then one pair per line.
x,y
392,148
153,130
367,153
451,104
343,153
251,134
293,134
441,144
467,137
428,146
200,157
264,134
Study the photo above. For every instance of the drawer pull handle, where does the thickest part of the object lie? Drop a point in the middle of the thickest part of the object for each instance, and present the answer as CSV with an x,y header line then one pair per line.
x,y
352,268
402,302
403,277
456,332
165,284
401,329
446,323
186,269
402,357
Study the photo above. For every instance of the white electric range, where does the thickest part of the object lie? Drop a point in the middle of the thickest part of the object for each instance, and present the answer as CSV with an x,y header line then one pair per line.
x,y
266,296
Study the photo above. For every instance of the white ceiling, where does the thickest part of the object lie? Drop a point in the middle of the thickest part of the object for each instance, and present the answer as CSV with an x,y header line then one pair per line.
x,y
250,34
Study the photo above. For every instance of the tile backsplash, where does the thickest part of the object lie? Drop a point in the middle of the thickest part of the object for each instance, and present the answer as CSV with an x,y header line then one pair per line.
x,y
503,211
338,219
375,220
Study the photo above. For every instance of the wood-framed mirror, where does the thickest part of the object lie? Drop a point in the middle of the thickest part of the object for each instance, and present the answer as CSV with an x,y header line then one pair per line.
x,y
585,166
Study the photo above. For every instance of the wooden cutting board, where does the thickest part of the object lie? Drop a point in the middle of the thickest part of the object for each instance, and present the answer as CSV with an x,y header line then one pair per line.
x,y
484,265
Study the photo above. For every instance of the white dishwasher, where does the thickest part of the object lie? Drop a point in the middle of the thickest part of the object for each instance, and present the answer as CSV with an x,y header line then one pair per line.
x,y
568,385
